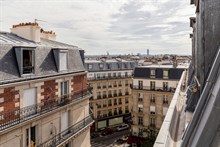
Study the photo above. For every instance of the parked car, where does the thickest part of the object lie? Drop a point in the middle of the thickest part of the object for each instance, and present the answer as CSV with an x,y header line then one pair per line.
x,y
94,135
107,131
122,127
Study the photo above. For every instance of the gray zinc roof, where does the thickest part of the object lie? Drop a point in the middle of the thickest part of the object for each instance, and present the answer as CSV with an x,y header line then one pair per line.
x,y
44,58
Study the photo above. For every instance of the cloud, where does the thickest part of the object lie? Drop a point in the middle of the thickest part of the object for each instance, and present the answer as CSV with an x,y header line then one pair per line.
x,y
98,26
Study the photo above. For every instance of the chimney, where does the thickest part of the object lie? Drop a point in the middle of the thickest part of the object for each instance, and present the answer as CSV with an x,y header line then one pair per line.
x,y
48,35
29,31
32,32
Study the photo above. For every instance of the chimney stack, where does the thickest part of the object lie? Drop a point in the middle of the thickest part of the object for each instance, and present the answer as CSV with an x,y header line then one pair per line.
x,y
32,31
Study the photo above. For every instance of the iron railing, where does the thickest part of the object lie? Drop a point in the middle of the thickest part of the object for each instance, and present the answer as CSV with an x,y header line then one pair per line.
x,y
109,77
20,115
64,135
148,88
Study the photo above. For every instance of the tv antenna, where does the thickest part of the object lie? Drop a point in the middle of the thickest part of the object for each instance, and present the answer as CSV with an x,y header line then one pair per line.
x,y
37,20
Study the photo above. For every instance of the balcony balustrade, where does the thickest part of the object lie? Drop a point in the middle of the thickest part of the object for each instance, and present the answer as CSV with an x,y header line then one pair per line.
x,y
148,88
58,139
109,77
20,115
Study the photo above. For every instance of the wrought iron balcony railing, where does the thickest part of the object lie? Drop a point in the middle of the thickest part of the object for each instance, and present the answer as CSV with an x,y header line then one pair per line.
x,y
109,77
66,134
20,115
148,88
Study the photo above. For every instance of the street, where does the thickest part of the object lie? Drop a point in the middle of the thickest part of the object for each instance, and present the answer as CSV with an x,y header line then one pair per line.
x,y
109,140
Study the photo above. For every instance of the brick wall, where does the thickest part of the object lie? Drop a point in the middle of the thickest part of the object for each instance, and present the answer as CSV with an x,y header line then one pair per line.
x,y
9,102
49,89
79,83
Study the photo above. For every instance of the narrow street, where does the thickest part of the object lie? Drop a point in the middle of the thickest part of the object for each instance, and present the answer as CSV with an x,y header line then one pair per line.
x,y
109,140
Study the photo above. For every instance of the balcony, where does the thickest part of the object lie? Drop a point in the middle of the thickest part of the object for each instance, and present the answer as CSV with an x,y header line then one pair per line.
x,y
110,95
104,105
73,130
109,77
148,88
21,115
120,94
104,96
109,86
126,93
115,95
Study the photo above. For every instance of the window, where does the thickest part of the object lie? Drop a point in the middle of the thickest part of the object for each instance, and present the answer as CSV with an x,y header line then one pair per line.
x,y
31,136
108,66
140,120
115,111
114,74
109,102
27,61
29,100
126,109
140,108
101,66
64,88
165,99
152,85
109,112
62,61
126,100
120,110
152,122
119,83
140,97
125,65
119,74
140,84
104,94
98,95
126,83
64,122
98,85
165,86
104,104
90,66
152,99
103,85
109,75
152,73
115,101
126,74
109,84
115,83
119,101
165,74
115,93
152,110
120,93
109,93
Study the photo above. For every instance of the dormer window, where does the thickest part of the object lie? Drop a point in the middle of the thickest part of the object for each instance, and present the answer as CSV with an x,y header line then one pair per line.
x,y
63,60
27,61
101,66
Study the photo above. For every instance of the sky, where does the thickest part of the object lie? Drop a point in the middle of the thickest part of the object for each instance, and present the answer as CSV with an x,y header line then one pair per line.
x,y
114,26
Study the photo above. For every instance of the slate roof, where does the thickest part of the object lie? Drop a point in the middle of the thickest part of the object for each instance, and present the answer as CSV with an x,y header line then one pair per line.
x,y
109,65
44,58
173,73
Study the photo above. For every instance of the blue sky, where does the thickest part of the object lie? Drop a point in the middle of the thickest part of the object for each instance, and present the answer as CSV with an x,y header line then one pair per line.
x,y
116,26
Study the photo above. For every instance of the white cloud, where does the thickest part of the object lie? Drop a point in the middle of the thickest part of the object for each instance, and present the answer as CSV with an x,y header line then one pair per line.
x,y
117,26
